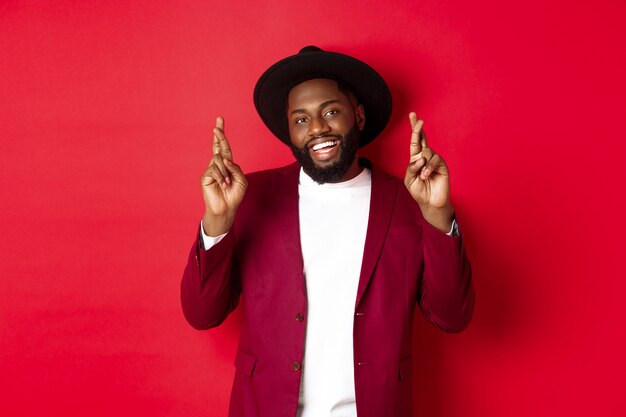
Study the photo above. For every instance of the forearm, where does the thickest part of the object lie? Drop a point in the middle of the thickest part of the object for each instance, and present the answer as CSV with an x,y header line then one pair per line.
x,y
210,288
217,225
440,218
446,293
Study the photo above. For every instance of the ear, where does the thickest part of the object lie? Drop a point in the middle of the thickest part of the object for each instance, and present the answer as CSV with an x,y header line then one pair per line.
x,y
359,115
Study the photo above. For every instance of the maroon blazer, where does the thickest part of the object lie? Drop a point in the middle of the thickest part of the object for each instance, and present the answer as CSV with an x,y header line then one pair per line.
x,y
406,262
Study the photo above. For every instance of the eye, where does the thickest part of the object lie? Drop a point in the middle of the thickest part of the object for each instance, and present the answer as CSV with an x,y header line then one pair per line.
x,y
331,112
300,120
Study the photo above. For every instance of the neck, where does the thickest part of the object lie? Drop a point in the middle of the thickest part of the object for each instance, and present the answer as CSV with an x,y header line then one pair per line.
x,y
354,170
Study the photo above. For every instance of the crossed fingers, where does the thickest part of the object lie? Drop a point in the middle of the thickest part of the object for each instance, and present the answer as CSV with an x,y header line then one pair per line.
x,y
423,160
222,156
418,139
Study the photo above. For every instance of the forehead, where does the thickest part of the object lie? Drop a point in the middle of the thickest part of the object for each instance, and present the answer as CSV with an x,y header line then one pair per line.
x,y
314,91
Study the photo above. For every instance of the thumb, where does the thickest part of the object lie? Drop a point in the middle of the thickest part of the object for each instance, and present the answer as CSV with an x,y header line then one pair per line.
x,y
415,166
235,171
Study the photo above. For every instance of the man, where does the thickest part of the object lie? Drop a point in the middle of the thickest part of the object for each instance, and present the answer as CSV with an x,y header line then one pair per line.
x,y
329,255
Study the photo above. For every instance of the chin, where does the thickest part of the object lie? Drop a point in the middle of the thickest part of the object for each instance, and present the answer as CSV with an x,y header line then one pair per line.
x,y
332,170
328,164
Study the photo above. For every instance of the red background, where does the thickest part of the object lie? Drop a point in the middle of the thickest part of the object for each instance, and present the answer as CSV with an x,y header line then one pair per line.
x,y
106,110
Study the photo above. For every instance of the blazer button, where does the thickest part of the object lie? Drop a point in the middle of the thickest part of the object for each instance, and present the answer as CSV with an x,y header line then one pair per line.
x,y
299,317
296,366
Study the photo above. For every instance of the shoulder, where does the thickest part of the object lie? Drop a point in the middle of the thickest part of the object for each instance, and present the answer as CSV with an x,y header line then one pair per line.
x,y
271,194
383,179
392,190
265,185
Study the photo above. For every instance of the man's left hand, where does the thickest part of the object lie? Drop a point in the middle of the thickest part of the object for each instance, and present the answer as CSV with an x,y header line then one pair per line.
x,y
428,180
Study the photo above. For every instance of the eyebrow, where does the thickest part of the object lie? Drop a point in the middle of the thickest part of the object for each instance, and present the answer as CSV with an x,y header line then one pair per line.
x,y
324,104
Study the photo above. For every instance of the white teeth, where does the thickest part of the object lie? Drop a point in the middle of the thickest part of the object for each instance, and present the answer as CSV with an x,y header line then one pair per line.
x,y
324,144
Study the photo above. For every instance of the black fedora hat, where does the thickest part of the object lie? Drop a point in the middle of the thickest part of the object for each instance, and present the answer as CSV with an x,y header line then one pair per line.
x,y
272,89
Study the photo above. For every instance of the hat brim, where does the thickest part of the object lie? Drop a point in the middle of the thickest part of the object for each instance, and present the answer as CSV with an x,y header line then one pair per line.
x,y
272,89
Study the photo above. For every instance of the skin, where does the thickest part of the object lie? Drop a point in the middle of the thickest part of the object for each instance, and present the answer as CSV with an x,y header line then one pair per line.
x,y
317,108
223,185
318,111
428,180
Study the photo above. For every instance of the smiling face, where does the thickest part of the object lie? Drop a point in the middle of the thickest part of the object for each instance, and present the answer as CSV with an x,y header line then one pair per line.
x,y
324,126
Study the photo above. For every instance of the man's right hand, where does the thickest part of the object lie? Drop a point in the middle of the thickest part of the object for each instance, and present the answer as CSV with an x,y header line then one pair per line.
x,y
223,186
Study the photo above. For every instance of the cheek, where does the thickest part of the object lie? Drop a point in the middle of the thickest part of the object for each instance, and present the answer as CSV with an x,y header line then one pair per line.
x,y
345,123
296,136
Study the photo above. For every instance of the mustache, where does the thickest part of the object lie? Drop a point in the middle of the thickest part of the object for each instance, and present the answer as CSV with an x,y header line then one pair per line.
x,y
324,136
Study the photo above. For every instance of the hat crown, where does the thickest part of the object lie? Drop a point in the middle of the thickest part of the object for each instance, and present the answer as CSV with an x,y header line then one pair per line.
x,y
272,89
309,49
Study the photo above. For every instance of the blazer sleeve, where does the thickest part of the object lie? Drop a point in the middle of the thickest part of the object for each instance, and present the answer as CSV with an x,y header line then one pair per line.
x,y
446,296
210,286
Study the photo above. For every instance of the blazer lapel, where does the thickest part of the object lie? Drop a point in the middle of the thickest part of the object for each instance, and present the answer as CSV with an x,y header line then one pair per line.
x,y
287,200
382,201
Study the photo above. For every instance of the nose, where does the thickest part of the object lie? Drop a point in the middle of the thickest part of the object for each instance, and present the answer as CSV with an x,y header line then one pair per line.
x,y
318,126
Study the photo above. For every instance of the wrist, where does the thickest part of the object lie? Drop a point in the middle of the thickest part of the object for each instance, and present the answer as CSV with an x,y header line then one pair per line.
x,y
440,217
216,225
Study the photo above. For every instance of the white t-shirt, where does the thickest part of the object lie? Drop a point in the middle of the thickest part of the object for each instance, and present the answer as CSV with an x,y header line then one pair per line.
x,y
333,225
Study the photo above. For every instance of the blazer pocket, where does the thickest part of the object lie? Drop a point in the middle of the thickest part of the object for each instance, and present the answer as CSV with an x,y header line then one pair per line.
x,y
405,371
244,362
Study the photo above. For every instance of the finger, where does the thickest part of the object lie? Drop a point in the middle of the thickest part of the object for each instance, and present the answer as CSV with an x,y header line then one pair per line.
x,y
411,178
207,179
427,154
218,175
219,124
216,145
433,165
224,146
423,140
412,119
415,166
235,172
211,176
416,143
218,162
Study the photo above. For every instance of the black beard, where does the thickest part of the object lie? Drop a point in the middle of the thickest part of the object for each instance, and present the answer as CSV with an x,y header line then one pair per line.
x,y
348,147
